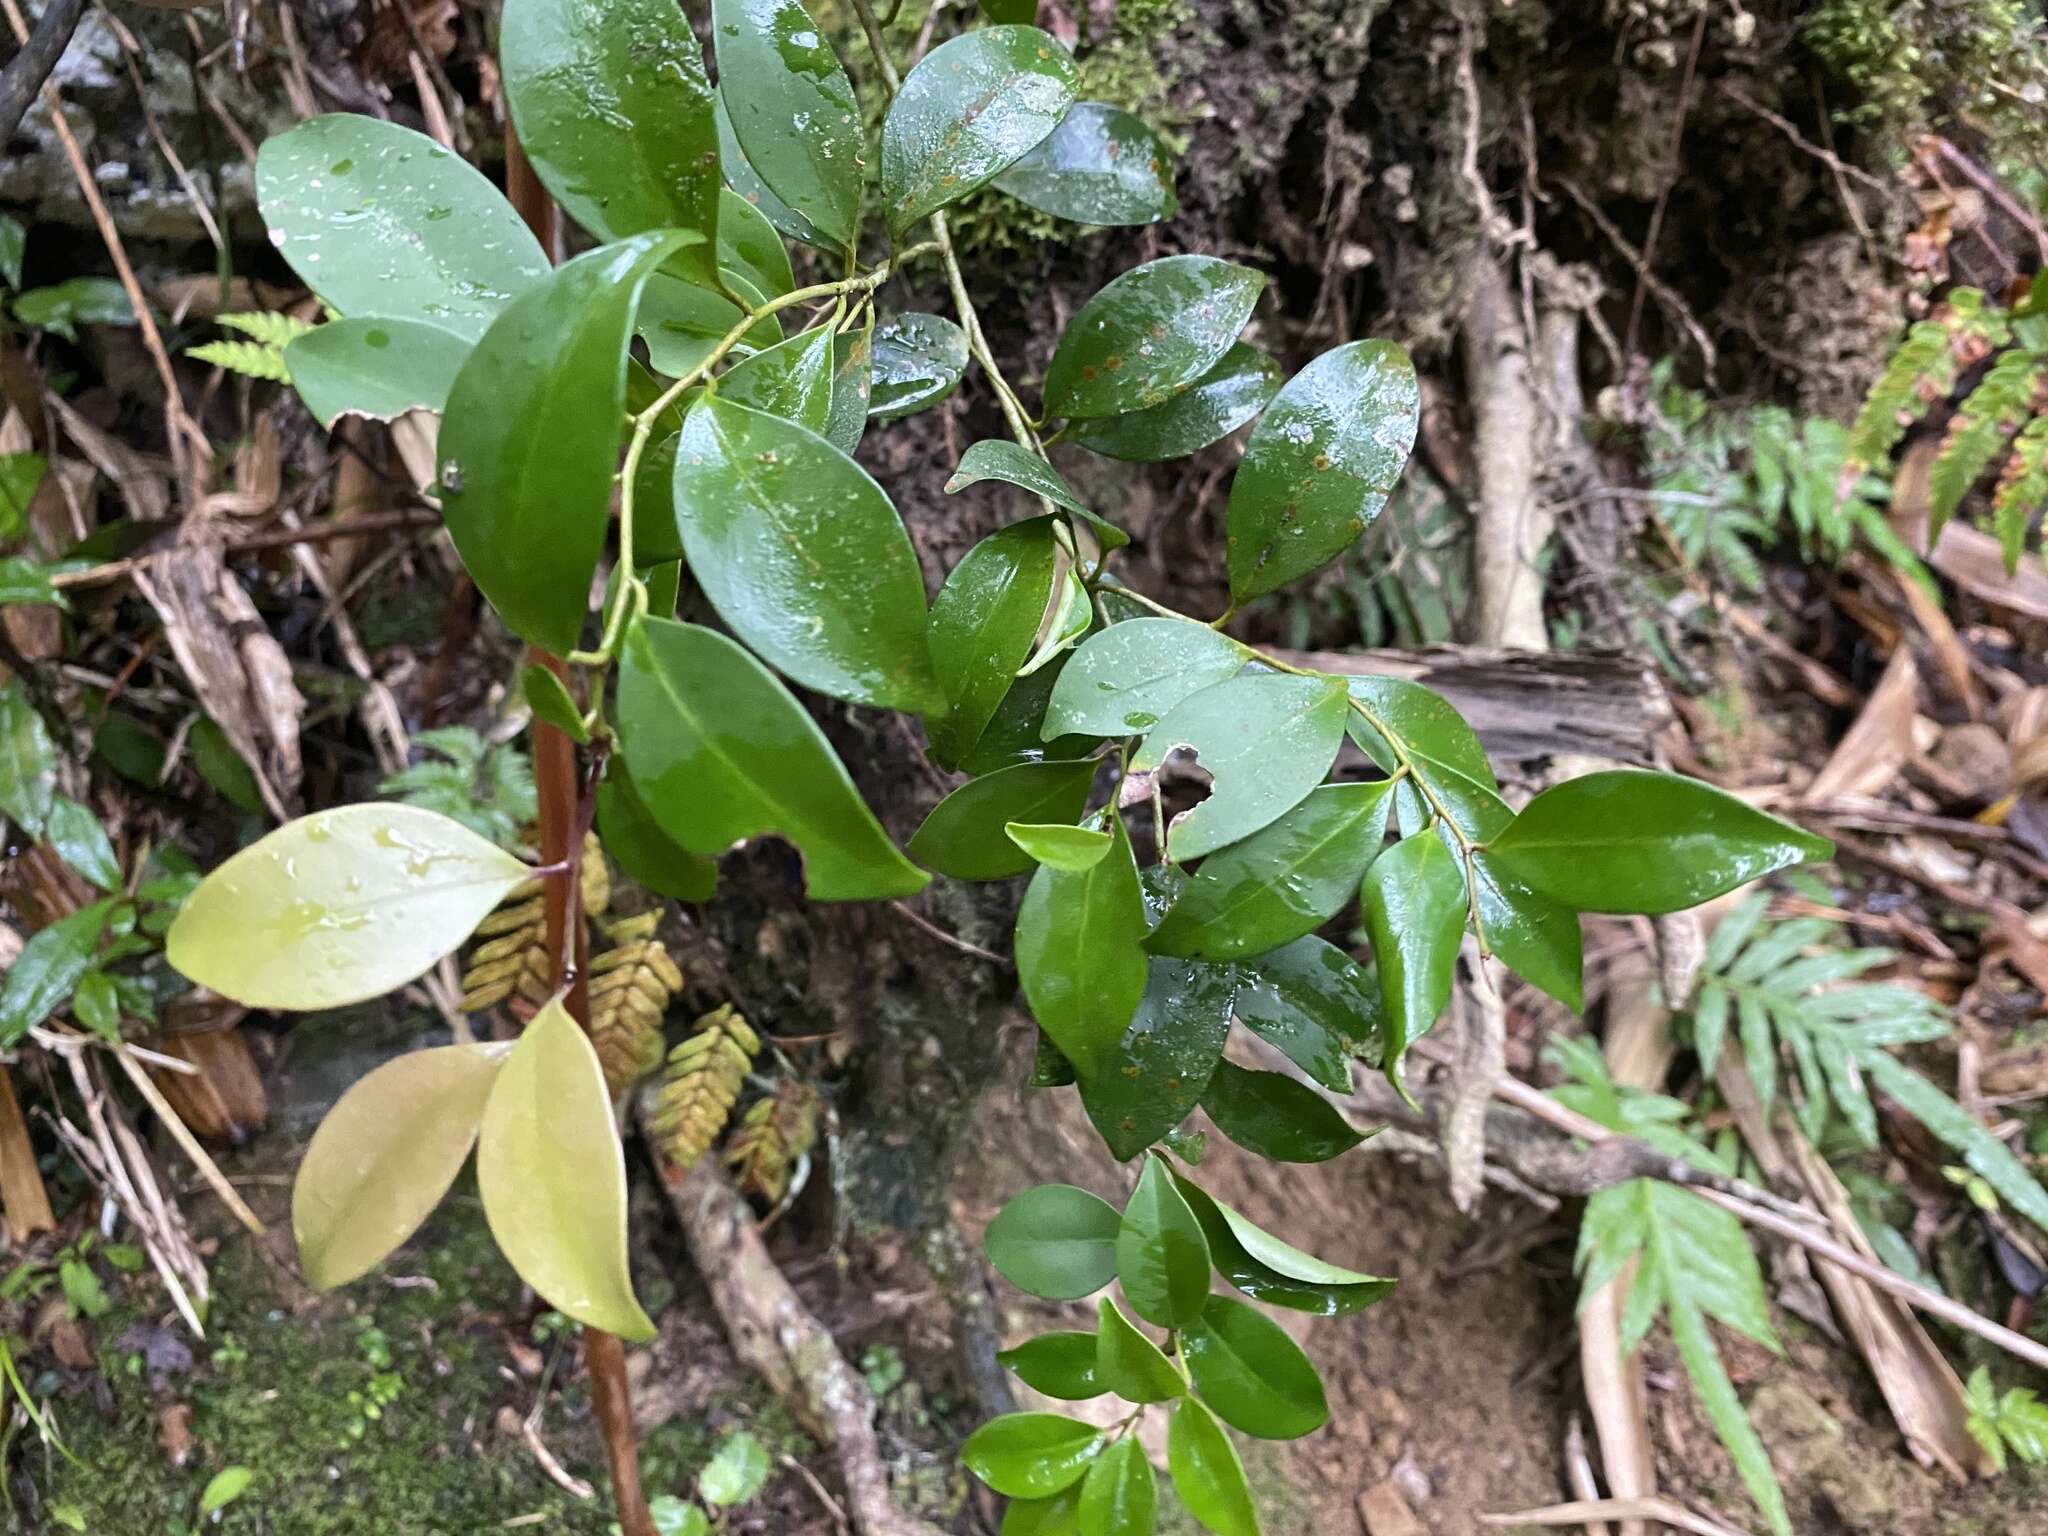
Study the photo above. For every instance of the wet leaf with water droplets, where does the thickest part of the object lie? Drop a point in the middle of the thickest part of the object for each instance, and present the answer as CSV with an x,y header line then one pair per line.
x,y
983,624
918,361
1128,677
385,1155
374,367
339,906
1154,1077
998,459
1078,954
1226,397
792,109
1100,166
792,379
1149,334
552,1174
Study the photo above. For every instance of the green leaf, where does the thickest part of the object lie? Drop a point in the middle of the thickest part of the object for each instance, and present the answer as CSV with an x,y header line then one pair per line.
x,y
965,835
998,459
1276,1117
918,361
24,581
1131,1365
385,1155
1154,1078
222,767
683,322
28,761
1626,841
1320,464
20,475
1031,1455
1059,1515
552,1174
1230,394
548,697
530,441
1100,166
1983,1153
1078,952
746,184
1207,1473
792,379
1424,722
374,367
1536,938
1724,1411
381,221
48,967
96,1003
1414,899
737,1471
1012,733
803,555
647,854
63,307
750,244
1149,334
14,241
82,843
1265,740
792,110
1129,676
1060,1365
1314,1004
1260,1265
1251,1373
677,1517
1055,1241
852,386
1162,1260
612,106
1120,1496
1283,881
223,1488
983,624
1010,12
339,907
1056,845
721,753
972,108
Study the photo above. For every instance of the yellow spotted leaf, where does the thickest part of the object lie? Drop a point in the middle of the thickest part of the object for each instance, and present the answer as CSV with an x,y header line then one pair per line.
x,y
553,1176
339,906
385,1155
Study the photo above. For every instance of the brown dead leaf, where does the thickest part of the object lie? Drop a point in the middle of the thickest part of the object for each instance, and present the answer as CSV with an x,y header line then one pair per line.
x,y
70,1345
144,482
174,1432
1880,743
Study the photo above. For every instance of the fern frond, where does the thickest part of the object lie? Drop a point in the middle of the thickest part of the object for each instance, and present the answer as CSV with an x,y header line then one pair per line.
x,y
1994,410
775,1135
2022,489
705,1074
1919,373
245,357
266,327
630,988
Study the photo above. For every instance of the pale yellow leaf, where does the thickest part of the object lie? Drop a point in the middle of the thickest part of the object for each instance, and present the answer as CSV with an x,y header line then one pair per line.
x,y
339,906
552,1172
385,1155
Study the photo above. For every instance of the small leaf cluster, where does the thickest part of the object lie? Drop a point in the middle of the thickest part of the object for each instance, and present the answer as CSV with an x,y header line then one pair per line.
x,y
1221,1361
2015,1422
488,787
737,1472
259,352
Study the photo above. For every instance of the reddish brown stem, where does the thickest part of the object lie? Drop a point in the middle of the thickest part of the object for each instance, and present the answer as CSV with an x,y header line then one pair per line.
x,y
562,825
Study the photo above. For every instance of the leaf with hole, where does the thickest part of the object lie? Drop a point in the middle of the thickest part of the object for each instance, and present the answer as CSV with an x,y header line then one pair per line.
x,y
983,625
918,361
338,907
1055,1242
374,367
1230,394
1162,1260
552,1175
965,837
1251,1373
1154,1078
792,110
1100,166
1148,334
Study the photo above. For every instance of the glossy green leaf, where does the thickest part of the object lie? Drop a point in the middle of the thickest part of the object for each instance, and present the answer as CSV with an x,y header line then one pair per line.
x,y
1120,1495
1626,841
1414,899
720,752
385,1155
918,361
746,184
1283,881
1149,334
548,697
96,1003
1100,166
1207,1473
643,850
1264,739
1060,1365
1055,1242
998,459
1078,952
972,107
984,622
381,221
964,836
1128,677
1069,619
803,556
552,1174
1162,1259
531,437
1314,1004
737,1471
792,379
1230,394
1131,1365
1320,464
614,109
375,367
1424,721
21,474
852,386
1275,1116
1251,1373
28,581
1535,937
63,307
1059,1515
1058,845
683,322
340,906
223,1488
1013,731
792,109
82,842
48,967
1031,1455
751,245
1279,1274
1155,1076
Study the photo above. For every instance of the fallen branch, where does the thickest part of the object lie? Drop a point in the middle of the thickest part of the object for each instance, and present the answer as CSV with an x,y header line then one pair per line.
x,y
1578,1513
31,66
